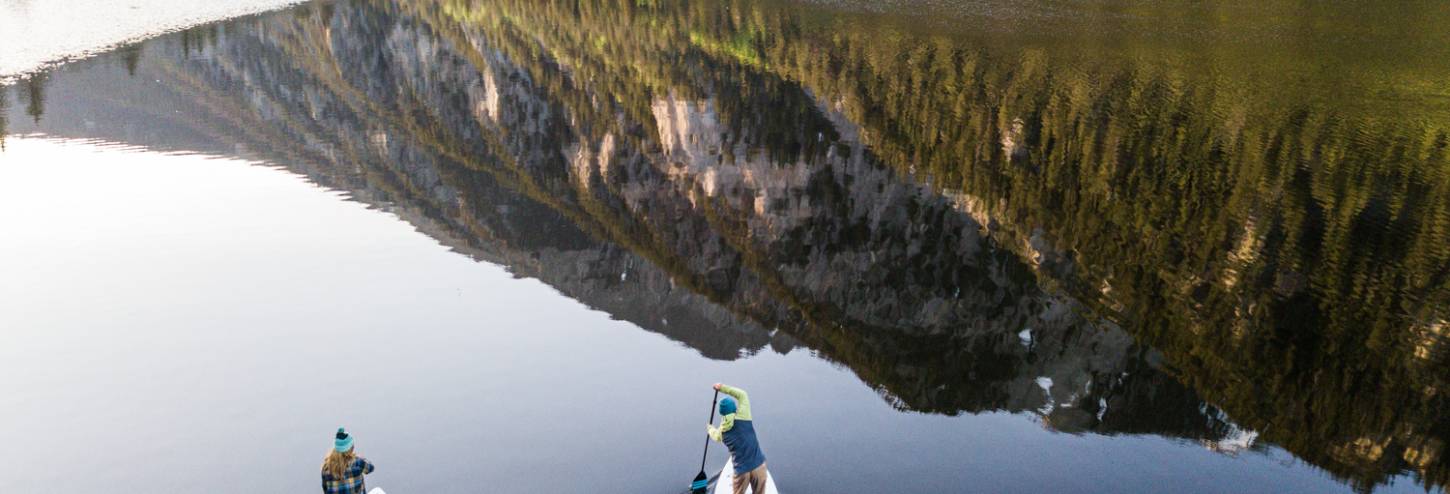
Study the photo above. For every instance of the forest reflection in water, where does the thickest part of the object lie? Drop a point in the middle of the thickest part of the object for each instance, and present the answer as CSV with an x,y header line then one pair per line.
x,y
1232,245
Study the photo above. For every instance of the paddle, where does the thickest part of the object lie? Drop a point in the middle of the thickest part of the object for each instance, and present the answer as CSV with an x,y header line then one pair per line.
x,y
701,480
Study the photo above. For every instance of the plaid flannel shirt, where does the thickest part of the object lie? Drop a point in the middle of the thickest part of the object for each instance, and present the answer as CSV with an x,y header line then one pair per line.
x,y
351,481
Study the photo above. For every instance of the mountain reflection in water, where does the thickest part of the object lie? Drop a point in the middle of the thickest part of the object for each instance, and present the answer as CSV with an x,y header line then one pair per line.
x,y
1230,250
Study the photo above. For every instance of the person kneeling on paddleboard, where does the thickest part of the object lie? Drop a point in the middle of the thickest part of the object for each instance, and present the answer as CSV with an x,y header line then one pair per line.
x,y
737,431
343,470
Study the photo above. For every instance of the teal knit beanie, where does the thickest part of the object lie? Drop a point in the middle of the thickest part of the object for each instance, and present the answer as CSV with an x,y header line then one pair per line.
x,y
727,406
343,443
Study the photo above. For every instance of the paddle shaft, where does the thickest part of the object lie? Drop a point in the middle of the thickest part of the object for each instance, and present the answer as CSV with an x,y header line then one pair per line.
x,y
713,401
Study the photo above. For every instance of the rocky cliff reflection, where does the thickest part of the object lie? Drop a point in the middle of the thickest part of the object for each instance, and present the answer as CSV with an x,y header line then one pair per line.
x,y
1114,246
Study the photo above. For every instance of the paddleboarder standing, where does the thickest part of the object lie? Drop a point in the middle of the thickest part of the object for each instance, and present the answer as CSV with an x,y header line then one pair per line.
x,y
737,431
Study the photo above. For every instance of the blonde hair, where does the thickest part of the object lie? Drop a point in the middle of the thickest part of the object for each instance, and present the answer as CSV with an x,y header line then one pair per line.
x,y
336,463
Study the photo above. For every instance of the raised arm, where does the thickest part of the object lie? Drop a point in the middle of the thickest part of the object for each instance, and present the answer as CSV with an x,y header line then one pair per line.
x,y
742,401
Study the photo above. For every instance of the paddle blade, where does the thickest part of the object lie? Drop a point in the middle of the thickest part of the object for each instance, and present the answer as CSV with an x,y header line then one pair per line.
x,y
700,483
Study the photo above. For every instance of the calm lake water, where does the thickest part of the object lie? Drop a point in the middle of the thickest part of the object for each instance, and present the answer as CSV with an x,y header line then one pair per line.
x,y
947,246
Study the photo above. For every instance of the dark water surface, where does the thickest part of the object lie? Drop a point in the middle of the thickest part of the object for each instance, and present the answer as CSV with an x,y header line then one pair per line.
x,y
948,247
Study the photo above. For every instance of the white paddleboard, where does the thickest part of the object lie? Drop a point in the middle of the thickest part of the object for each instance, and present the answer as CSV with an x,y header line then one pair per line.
x,y
377,490
725,485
